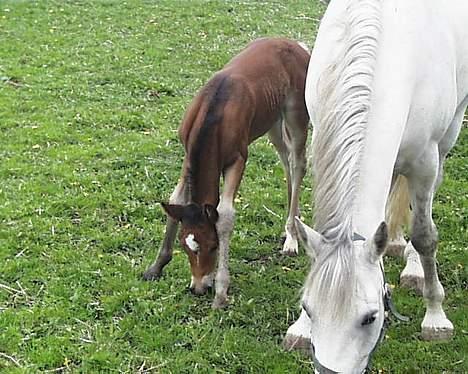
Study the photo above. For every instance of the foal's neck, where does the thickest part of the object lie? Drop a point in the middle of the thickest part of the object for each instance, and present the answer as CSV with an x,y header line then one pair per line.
x,y
204,180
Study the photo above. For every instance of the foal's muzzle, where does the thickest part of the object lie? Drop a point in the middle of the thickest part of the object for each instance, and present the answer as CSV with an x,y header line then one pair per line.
x,y
201,286
201,290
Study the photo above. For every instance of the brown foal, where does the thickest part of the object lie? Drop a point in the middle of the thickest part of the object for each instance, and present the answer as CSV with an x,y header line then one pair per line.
x,y
260,90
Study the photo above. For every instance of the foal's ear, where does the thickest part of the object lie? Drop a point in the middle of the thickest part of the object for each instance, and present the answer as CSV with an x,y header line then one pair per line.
x,y
174,211
380,241
211,213
309,237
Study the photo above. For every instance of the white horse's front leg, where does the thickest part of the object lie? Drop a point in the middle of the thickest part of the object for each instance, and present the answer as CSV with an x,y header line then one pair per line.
x,y
435,325
298,334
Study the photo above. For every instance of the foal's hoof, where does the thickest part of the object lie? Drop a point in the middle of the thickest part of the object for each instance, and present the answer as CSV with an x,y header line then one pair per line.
x,y
290,247
219,303
443,330
298,343
151,274
288,253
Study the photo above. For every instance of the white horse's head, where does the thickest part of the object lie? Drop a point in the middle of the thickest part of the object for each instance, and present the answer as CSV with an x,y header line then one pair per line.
x,y
344,298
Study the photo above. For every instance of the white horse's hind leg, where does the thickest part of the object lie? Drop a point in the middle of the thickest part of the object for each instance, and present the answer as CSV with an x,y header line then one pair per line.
x,y
412,276
422,182
396,246
298,334
397,215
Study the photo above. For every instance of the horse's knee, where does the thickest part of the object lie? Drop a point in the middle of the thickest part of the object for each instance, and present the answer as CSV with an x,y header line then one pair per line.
x,y
424,239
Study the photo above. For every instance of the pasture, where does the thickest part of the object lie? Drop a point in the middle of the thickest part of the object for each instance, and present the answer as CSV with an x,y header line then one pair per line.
x,y
91,95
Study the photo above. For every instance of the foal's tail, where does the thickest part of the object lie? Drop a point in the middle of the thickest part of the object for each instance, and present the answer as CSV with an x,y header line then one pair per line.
x,y
398,207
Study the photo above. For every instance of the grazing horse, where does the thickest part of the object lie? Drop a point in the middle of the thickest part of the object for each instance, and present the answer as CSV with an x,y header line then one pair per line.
x,y
260,90
386,93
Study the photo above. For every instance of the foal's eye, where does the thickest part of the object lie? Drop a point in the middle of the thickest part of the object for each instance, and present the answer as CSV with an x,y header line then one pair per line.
x,y
369,319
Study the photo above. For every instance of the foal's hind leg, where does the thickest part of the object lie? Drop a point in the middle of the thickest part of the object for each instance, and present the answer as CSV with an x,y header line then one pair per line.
x,y
422,183
294,135
224,227
278,138
165,253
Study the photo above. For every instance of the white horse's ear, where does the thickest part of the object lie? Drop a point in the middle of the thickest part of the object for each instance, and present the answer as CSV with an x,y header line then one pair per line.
x,y
379,241
309,237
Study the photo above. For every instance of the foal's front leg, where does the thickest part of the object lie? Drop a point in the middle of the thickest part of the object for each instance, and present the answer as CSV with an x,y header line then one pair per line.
x,y
165,253
224,227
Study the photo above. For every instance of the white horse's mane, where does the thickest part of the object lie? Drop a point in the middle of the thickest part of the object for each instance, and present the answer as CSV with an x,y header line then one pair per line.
x,y
345,90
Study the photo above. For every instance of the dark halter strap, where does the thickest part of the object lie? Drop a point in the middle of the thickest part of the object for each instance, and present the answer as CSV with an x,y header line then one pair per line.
x,y
390,310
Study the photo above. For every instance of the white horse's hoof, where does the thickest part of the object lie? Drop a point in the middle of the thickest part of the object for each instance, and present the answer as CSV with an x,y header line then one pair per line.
x,y
290,247
413,282
412,276
396,248
299,343
442,330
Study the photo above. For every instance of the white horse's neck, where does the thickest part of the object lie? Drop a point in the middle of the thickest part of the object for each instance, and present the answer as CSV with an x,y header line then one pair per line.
x,y
375,175
341,113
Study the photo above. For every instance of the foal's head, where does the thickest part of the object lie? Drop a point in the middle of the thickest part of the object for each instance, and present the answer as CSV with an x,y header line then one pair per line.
x,y
199,238
344,298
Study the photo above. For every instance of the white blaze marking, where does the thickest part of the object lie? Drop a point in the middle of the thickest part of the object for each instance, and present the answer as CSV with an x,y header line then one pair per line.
x,y
192,243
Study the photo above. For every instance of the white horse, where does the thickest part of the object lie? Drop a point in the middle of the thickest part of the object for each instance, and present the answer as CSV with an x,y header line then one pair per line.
x,y
386,90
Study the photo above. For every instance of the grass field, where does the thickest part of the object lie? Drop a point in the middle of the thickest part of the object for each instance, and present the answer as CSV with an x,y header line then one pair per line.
x,y
91,95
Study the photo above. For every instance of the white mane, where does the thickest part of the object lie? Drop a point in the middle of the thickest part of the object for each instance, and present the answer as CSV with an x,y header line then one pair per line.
x,y
345,90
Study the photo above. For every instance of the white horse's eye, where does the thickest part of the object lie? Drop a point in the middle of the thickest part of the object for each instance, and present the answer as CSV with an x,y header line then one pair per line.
x,y
369,319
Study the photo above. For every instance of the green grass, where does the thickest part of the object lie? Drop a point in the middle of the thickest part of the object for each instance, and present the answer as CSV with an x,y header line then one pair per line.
x,y
91,95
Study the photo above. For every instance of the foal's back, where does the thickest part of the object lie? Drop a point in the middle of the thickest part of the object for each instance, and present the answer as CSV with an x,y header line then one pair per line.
x,y
248,96
274,71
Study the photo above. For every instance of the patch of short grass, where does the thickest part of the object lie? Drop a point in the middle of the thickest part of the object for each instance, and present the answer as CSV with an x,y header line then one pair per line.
x,y
91,95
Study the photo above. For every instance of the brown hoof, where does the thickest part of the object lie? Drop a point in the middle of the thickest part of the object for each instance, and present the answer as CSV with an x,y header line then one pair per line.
x,y
151,274
219,303
289,253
